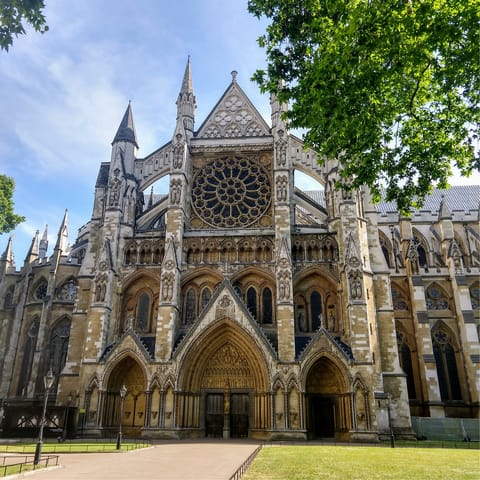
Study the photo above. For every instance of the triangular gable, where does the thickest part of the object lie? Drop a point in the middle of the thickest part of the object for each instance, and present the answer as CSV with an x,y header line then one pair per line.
x,y
322,340
234,116
225,303
129,341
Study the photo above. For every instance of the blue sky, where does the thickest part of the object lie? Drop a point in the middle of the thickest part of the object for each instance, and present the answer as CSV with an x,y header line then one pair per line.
x,y
64,93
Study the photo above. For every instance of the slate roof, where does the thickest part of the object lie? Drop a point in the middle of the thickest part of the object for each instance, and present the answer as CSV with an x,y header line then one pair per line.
x,y
102,178
460,198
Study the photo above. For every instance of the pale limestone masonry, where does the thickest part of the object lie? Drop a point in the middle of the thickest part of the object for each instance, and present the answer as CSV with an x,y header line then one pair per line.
x,y
239,305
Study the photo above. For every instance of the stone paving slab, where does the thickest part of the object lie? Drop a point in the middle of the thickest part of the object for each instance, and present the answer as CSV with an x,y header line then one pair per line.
x,y
165,461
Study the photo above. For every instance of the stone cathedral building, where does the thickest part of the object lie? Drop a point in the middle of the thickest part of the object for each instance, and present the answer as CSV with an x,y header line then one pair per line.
x,y
238,305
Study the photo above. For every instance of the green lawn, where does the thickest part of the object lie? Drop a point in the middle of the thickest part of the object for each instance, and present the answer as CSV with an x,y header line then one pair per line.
x,y
70,447
358,463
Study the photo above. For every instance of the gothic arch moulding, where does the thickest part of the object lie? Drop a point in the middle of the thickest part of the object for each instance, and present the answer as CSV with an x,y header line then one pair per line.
x,y
224,355
336,367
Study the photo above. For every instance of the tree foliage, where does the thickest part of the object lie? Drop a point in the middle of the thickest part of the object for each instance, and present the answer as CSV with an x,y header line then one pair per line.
x,y
8,219
13,15
391,88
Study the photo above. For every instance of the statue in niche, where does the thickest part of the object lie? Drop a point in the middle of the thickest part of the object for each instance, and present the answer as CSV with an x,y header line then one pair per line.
x,y
302,325
178,152
167,287
176,192
282,188
355,285
412,255
115,186
283,286
281,148
331,322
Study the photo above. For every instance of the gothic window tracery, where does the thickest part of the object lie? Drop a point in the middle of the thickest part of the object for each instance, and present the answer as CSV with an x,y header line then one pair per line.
x,y
28,352
231,192
41,290
143,313
206,296
475,296
252,301
8,303
398,299
190,307
386,249
68,291
436,298
58,346
316,310
446,363
405,358
267,308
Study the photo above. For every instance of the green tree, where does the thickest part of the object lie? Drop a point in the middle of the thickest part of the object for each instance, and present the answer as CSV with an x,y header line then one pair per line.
x,y
13,14
8,219
391,88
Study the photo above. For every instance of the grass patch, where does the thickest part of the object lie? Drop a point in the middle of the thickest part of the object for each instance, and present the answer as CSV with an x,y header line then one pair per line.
x,y
70,447
363,463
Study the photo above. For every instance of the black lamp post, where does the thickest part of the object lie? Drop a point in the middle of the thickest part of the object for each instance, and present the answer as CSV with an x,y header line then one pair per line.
x,y
65,422
47,382
390,426
123,392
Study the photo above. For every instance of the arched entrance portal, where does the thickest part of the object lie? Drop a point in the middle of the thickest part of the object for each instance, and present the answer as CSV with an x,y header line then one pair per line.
x,y
129,373
225,374
327,400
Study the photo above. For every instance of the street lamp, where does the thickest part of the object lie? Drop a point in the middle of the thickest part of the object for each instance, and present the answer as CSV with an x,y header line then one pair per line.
x,y
65,422
123,392
392,436
47,382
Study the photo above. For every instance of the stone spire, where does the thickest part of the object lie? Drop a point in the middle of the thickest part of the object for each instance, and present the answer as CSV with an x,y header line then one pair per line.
x,y
7,262
186,103
126,130
444,212
62,237
32,254
44,243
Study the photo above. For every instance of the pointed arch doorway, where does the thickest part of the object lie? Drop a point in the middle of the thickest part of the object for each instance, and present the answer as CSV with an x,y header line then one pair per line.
x,y
328,401
226,372
127,372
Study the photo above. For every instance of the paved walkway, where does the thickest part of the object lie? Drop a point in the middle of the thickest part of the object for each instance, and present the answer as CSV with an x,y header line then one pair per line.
x,y
165,461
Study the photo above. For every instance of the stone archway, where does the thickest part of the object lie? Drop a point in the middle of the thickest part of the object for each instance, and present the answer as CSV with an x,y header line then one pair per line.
x,y
127,372
328,401
225,375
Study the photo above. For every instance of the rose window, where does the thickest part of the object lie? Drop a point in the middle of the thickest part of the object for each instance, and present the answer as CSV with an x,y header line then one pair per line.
x,y
231,192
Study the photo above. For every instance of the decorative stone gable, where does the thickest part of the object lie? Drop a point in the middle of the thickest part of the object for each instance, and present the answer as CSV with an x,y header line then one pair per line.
x,y
353,267
234,117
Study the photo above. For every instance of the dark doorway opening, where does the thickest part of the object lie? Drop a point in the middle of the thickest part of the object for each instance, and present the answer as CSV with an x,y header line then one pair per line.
x,y
322,417
214,415
239,415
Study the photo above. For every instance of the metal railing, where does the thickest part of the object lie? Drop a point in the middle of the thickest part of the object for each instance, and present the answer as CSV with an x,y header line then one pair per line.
x,y
10,465
244,466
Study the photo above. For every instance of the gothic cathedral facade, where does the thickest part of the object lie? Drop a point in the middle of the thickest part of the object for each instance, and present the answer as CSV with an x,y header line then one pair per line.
x,y
238,305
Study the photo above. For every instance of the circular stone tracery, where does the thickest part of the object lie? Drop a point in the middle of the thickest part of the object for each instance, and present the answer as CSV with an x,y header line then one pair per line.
x,y
231,192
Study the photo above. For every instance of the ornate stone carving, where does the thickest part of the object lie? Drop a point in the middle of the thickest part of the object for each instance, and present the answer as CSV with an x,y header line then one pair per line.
x,y
176,191
282,188
178,152
355,281
281,149
228,363
167,287
412,256
115,186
